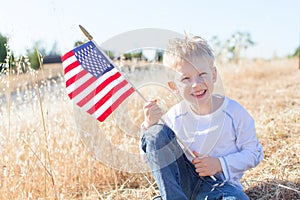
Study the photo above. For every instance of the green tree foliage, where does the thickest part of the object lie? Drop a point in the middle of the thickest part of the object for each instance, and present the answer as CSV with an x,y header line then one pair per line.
x,y
3,42
129,56
237,43
23,64
137,55
6,55
79,42
232,48
34,58
35,55
159,56
110,54
296,53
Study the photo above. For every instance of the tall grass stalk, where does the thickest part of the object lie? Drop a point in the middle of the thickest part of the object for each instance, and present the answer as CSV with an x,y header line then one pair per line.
x,y
7,71
8,93
47,153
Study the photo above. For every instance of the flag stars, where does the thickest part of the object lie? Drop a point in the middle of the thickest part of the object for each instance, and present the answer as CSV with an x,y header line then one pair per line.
x,y
92,59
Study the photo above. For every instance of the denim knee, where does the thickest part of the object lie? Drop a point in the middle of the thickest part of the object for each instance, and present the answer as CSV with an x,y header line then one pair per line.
x,y
157,137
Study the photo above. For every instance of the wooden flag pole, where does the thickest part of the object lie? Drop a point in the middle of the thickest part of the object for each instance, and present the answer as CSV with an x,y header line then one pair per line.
x,y
85,32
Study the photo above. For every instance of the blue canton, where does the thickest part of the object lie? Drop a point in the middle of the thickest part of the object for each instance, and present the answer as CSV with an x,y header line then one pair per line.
x,y
92,60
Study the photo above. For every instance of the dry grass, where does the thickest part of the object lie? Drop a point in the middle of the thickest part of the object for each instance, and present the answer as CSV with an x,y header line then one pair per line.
x,y
42,157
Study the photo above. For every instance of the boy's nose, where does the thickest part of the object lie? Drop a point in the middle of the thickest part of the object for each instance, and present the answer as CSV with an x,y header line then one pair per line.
x,y
197,81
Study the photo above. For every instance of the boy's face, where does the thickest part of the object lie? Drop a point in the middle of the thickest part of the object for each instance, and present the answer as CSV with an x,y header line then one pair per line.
x,y
195,83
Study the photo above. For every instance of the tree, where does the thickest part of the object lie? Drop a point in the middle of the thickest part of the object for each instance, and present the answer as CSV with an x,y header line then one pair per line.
x,y
78,43
6,55
3,42
3,53
236,44
296,53
35,55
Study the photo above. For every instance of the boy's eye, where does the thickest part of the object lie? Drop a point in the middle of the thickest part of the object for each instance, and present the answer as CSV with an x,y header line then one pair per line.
x,y
184,78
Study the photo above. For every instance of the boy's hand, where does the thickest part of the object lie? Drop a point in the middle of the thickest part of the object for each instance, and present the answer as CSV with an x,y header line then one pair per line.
x,y
206,166
152,113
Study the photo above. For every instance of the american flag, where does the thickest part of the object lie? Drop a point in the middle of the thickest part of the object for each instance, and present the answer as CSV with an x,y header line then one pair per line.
x,y
92,81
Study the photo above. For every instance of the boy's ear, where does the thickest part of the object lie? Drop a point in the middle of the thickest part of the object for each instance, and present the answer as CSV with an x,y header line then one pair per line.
x,y
172,85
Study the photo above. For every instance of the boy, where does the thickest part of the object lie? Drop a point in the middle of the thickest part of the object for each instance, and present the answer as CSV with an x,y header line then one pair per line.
x,y
202,146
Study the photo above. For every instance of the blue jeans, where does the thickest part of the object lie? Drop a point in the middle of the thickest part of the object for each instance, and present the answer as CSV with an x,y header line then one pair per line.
x,y
175,175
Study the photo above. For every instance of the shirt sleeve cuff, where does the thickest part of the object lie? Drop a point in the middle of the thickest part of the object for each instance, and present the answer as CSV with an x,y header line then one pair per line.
x,y
224,167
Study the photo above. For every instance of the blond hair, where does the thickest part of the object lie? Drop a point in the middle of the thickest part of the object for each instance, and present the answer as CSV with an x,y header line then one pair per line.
x,y
189,49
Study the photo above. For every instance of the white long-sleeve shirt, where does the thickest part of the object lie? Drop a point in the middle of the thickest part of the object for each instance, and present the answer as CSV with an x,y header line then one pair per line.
x,y
228,134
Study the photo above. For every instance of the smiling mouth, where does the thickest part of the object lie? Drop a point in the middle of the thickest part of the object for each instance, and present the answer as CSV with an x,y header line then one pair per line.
x,y
199,93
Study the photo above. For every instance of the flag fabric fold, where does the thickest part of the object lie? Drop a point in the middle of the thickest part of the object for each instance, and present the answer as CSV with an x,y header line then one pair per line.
x,y
93,82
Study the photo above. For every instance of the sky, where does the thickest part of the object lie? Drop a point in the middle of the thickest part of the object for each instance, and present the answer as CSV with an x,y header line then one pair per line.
x,y
274,25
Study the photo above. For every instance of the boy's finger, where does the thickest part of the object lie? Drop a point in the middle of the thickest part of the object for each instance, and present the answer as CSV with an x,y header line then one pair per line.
x,y
155,107
196,153
149,104
152,101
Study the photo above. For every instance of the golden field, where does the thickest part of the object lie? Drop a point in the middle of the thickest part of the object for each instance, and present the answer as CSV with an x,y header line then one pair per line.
x,y
45,152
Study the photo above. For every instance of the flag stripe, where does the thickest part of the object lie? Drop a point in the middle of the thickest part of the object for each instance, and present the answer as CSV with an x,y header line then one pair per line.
x,y
69,61
66,56
78,82
85,94
115,105
107,96
101,94
100,87
73,72
71,66
76,77
83,86
108,103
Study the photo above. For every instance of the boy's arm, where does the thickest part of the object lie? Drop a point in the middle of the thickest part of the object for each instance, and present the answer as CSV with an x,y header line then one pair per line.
x,y
250,152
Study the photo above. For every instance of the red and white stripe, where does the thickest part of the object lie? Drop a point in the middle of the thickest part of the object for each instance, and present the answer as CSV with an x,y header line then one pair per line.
x,y
99,97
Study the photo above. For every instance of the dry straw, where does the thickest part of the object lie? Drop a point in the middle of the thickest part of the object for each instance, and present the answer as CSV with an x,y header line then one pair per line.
x,y
42,157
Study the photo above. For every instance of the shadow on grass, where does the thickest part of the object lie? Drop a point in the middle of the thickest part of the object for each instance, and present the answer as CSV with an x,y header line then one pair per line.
x,y
272,189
